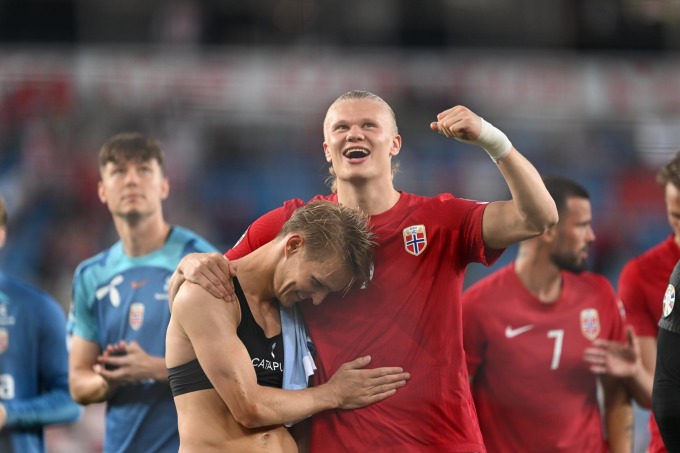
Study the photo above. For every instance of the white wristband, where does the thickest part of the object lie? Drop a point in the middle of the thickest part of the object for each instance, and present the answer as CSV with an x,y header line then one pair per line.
x,y
492,140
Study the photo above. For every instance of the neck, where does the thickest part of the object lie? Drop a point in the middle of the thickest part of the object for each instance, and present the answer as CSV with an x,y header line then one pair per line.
x,y
538,274
255,273
372,199
142,237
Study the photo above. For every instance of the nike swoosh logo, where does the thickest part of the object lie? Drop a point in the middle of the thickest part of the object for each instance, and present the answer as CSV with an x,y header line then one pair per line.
x,y
512,333
137,284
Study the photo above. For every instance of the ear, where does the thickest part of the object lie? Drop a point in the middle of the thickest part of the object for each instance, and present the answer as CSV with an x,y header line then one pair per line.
x,y
294,244
3,236
396,145
326,152
101,192
165,188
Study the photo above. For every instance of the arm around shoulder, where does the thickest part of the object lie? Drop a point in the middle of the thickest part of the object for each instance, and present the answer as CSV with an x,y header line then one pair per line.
x,y
212,332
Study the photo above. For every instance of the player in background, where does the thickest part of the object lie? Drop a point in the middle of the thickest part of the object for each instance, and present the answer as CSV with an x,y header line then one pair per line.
x,y
33,363
642,285
526,327
666,390
119,313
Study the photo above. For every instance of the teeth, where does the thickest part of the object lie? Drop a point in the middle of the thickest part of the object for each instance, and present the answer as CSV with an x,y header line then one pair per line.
x,y
356,152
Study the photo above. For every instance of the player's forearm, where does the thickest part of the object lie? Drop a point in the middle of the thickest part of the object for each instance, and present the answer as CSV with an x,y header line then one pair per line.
x,y
88,387
50,408
618,414
532,200
640,387
269,406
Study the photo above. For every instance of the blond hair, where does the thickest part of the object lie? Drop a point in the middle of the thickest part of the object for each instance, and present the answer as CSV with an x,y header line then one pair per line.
x,y
331,229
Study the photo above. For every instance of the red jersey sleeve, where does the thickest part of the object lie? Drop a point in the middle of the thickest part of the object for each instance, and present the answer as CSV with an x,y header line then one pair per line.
x,y
467,216
615,312
633,296
263,230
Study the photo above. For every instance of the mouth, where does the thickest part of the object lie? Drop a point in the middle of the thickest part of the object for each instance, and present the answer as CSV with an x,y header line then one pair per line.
x,y
356,153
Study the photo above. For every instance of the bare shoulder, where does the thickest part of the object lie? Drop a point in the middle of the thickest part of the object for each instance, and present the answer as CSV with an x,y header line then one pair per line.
x,y
194,302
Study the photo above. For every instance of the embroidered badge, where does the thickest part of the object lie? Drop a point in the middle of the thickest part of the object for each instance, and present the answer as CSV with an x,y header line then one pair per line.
x,y
415,239
4,340
136,315
590,323
668,300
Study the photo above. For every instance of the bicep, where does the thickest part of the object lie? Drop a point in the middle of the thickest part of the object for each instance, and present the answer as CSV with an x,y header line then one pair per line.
x,y
83,354
211,331
502,225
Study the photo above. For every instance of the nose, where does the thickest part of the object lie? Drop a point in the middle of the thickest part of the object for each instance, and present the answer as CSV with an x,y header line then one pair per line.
x,y
131,176
590,237
318,297
355,133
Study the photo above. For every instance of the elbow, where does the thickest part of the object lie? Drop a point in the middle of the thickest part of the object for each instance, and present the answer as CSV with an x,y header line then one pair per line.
x,y
79,399
250,415
80,396
549,219
544,222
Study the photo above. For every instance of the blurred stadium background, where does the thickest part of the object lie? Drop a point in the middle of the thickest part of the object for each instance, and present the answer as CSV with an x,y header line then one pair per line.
x,y
236,91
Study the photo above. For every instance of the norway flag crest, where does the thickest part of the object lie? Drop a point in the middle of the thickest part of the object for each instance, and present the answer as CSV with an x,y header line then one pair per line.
x,y
415,239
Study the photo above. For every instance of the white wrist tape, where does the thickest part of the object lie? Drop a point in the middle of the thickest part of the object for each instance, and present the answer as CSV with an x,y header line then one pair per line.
x,y
492,140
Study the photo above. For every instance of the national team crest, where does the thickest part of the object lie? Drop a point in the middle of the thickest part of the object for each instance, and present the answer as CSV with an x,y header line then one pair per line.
x,y
4,340
415,239
590,323
668,300
136,315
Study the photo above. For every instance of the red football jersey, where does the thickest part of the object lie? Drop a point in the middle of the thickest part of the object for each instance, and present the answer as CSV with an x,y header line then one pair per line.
x,y
642,285
409,316
532,388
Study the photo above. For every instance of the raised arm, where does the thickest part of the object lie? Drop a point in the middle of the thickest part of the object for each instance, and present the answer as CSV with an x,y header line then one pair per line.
x,y
225,360
531,211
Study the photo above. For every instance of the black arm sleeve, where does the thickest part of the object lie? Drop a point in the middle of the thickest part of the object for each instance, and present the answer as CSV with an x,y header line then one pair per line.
x,y
666,391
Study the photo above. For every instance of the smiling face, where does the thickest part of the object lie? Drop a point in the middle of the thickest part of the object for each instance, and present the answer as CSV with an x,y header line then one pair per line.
x,y
299,277
133,189
573,235
360,139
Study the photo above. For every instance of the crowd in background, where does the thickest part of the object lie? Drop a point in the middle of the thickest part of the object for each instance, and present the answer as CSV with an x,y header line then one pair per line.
x,y
237,152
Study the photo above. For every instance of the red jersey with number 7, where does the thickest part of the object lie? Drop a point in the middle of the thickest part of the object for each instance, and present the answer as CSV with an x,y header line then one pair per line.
x,y
532,388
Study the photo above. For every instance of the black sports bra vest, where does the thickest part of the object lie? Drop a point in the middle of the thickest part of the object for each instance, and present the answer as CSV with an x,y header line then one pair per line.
x,y
266,355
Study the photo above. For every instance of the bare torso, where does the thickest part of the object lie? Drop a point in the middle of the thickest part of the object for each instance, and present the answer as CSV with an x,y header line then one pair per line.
x,y
206,425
